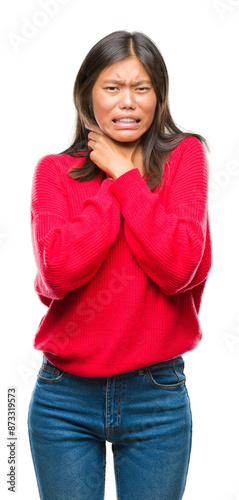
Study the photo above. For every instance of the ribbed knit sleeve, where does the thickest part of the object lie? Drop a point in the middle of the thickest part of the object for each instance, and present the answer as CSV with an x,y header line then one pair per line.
x,y
69,252
168,240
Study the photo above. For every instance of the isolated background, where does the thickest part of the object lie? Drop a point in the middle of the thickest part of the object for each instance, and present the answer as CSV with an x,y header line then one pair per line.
x,y
199,41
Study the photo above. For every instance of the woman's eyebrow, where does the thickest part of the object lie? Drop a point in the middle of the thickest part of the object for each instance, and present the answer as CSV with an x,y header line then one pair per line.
x,y
120,82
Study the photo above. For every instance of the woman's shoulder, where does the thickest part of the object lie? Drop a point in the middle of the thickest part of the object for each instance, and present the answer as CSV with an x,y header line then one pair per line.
x,y
50,164
61,160
189,150
189,143
188,159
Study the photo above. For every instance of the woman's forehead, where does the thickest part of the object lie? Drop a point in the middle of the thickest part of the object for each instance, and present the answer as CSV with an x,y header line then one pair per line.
x,y
129,70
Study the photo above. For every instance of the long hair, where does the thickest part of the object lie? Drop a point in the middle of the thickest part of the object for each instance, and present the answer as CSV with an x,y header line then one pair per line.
x,y
162,136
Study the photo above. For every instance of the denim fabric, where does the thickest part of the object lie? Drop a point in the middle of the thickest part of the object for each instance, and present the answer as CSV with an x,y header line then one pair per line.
x,y
144,413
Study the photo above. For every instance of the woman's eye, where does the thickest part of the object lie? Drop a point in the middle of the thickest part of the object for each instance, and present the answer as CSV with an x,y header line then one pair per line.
x,y
138,89
111,89
143,89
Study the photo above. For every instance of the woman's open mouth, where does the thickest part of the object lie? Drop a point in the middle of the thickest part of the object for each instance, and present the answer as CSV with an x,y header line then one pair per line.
x,y
126,122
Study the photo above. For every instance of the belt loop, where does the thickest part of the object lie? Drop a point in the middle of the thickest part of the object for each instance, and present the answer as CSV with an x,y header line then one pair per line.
x,y
141,371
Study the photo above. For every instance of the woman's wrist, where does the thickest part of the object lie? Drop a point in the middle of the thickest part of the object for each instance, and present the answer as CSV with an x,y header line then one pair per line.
x,y
123,169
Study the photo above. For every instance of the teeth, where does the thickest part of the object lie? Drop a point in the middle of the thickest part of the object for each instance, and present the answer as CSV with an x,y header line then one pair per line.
x,y
126,120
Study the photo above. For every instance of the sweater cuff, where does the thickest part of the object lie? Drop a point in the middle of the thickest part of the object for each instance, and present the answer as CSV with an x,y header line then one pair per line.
x,y
104,193
128,186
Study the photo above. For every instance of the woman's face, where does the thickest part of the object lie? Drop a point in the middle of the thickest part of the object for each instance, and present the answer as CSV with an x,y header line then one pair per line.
x,y
124,100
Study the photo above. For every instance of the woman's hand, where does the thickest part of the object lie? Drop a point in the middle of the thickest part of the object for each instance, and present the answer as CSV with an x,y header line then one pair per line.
x,y
110,156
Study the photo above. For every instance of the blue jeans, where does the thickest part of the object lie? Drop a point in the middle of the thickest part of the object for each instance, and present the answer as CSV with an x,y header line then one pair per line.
x,y
144,413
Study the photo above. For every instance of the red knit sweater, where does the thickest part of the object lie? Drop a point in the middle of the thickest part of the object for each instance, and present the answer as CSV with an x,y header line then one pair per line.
x,y
121,268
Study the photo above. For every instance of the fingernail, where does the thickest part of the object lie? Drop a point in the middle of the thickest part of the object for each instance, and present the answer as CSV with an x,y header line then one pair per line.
x,y
88,127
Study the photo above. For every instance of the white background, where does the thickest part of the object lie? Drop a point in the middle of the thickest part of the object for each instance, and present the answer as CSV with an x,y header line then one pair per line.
x,y
199,41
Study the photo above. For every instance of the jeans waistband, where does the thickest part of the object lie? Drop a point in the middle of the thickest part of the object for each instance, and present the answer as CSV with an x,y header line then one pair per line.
x,y
131,373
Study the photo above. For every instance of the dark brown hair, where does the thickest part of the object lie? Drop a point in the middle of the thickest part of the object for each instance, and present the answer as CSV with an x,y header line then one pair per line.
x,y
162,136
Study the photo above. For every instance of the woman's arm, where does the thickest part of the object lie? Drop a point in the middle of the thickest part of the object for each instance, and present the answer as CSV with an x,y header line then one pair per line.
x,y
69,252
168,240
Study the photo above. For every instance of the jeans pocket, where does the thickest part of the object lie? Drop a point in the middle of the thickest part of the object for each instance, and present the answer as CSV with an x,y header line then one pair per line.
x,y
50,374
168,375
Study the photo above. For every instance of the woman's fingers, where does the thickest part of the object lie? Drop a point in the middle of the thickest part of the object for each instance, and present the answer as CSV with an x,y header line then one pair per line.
x,y
93,136
92,141
91,145
94,128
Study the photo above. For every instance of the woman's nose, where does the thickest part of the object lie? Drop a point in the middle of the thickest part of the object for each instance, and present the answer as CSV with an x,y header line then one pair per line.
x,y
127,99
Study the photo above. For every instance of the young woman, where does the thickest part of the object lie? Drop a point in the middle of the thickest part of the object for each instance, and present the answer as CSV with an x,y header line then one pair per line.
x,y
122,245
